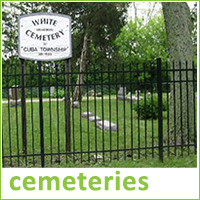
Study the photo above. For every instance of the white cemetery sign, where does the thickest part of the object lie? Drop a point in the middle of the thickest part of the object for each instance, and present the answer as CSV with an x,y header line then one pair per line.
x,y
45,37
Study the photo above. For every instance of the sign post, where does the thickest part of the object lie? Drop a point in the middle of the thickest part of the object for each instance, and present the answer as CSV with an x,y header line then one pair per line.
x,y
45,37
23,109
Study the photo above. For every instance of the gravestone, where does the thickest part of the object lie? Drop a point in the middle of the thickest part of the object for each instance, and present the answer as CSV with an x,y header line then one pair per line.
x,y
98,157
90,93
10,92
129,96
15,101
107,125
99,94
148,93
122,93
93,118
75,104
137,95
52,90
86,114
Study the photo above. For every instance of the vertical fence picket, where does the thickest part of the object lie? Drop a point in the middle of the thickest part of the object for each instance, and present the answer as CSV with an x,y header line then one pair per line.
x,y
160,112
16,115
188,111
50,117
181,106
67,107
152,120
32,118
174,106
167,135
138,105
117,111
41,113
194,103
145,105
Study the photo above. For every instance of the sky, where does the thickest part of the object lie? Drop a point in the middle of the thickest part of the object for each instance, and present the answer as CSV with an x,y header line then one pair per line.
x,y
153,8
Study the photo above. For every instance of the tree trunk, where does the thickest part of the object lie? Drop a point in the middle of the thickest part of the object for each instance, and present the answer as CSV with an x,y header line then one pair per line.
x,y
135,12
182,110
77,96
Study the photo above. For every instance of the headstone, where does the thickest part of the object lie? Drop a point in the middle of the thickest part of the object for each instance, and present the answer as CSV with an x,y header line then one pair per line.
x,y
15,101
148,93
10,92
91,93
137,93
52,90
75,104
107,125
98,157
121,93
129,96
99,94
86,114
93,118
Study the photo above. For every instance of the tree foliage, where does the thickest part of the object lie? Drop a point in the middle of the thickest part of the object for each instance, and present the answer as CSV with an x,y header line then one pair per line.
x,y
110,40
139,43
101,21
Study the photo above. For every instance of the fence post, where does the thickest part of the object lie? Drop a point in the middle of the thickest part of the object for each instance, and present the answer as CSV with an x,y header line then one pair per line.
x,y
23,107
160,114
41,113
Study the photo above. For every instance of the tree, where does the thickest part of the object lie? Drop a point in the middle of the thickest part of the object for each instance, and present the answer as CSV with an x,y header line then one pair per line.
x,y
10,14
135,11
95,24
178,28
194,27
140,43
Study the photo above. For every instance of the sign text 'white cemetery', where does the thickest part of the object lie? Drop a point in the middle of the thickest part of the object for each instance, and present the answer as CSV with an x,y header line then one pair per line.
x,y
45,37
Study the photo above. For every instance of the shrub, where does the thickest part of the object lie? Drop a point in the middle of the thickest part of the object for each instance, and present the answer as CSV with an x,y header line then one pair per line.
x,y
59,94
164,102
149,109
45,94
31,92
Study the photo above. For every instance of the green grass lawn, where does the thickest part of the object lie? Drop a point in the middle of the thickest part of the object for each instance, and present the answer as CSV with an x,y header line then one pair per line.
x,y
169,162
85,136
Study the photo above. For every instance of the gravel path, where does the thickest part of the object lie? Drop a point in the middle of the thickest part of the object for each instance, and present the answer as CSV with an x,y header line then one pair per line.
x,y
47,100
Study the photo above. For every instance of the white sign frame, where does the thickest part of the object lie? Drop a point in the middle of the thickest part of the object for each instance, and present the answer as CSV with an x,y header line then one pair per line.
x,y
43,58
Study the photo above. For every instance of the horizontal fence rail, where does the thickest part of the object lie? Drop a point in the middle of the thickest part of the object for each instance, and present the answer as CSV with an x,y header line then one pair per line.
x,y
119,112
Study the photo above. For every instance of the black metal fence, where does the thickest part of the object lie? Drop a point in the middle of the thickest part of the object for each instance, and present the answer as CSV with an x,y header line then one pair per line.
x,y
125,113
